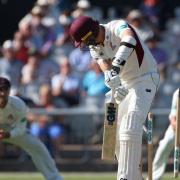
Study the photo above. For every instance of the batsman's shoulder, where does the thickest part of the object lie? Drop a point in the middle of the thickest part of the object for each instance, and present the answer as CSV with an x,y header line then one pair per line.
x,y
123,25
17,103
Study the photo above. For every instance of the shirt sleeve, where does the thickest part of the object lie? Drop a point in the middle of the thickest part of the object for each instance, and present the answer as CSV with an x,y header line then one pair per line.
x,y
120,26
20,125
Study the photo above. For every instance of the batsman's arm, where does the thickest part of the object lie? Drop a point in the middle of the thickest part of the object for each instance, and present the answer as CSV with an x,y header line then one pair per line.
x,y
113,81
105,64
127,46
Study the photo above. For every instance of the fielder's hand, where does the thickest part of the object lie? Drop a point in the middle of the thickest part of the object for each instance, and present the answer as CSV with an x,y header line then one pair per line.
x,y
4,134
120,93
112,81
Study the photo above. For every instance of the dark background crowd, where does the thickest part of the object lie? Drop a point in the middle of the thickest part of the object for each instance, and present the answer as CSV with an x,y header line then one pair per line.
x,y
47,71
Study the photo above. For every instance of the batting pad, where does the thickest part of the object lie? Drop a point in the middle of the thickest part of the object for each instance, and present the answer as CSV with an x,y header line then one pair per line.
x,y
130,144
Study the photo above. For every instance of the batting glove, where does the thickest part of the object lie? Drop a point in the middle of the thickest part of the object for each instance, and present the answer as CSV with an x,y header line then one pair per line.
x,y
112,81
120,93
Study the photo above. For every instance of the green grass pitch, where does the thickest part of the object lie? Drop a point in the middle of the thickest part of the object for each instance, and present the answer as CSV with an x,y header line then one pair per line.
x,y
69,176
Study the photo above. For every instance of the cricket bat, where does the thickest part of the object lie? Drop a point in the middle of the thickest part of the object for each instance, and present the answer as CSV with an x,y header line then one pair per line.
x,y
110,125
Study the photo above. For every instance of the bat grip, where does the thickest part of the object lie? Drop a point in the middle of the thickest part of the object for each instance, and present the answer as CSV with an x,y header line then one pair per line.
x,y
110,96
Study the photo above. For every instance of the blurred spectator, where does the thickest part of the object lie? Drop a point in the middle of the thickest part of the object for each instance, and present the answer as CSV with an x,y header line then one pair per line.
x,y
30,76
94,88
45,97
25,27
159,54
80,60
163,96
157,11
151,9
47,69
65,21
53,9
21,47
43,32
63,43
26,31
44,5
168,86
37,71
10,67
63,4
172,33
48,128
112,13
51,12
174,71
65,85
84,7
136,19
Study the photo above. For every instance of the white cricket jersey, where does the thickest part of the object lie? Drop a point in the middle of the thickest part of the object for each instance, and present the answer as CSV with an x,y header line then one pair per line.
x,y
174,104
12,117
139,63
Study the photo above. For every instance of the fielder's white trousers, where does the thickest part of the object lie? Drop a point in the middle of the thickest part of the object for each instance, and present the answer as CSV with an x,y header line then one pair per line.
x,y
162,154
132,114
39,154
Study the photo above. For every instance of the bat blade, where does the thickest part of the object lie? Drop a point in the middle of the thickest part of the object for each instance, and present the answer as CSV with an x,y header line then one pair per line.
x,y
109,135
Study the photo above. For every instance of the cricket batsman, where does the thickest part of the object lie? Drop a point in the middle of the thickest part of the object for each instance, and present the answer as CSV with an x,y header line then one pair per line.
x,y
13,130
131,73
166,145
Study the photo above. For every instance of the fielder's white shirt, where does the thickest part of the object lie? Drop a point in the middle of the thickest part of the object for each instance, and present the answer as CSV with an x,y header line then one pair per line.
x,y
174,104
133,68
12,117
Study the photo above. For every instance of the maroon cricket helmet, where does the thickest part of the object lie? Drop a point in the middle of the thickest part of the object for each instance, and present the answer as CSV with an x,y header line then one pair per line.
x,y
81,26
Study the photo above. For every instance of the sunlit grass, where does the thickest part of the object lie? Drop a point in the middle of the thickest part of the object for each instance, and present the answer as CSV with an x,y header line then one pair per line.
x,y
69,176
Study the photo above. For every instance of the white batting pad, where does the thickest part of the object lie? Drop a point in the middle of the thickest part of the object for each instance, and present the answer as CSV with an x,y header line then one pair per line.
x,y
130,142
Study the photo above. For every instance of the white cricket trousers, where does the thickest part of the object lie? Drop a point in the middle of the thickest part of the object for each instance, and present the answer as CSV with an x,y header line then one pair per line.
x,y
162,154
132,114
39,154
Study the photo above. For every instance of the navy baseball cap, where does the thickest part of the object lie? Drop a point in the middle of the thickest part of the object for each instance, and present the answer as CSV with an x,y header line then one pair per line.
x,y
4,82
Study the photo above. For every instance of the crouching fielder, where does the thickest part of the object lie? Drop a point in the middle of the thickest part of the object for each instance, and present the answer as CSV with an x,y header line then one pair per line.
x,y
131,73
166,144
13,130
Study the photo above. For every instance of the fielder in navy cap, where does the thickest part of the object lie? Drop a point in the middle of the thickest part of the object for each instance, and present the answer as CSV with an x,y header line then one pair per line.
x,y
4,83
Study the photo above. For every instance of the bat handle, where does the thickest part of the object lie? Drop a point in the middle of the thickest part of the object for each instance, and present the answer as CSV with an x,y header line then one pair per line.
x,y
110,97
